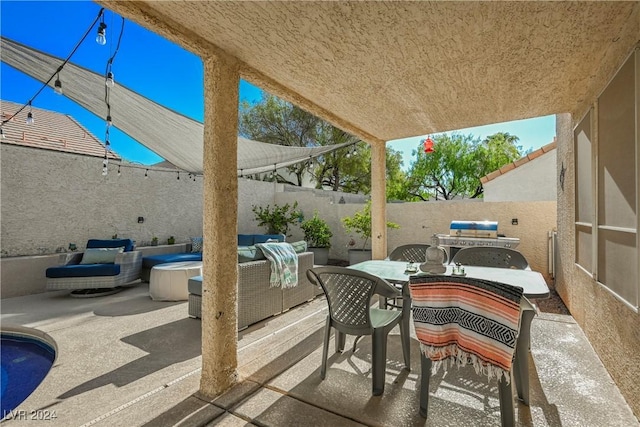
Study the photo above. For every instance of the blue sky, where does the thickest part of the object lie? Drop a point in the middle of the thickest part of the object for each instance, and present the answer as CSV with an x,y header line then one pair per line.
x,y
153,67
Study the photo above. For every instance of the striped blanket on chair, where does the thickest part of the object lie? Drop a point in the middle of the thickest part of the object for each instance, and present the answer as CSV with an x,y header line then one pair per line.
x,y
462,321
284,264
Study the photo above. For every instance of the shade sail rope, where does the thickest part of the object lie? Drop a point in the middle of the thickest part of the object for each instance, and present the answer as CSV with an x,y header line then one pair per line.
x,y
173,136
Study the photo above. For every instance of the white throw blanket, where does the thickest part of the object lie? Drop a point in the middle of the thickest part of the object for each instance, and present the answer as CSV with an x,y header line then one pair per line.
x,y
284,263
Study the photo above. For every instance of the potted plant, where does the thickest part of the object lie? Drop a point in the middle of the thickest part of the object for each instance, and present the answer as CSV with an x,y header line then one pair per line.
x,y
360,223
318,237
154,241
278,219
171,240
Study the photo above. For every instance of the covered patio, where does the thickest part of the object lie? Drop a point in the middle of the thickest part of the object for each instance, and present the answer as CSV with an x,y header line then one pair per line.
x,y
383,71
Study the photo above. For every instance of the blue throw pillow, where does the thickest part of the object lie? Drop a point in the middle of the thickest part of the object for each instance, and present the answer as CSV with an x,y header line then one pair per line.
x,y
245,239
196,244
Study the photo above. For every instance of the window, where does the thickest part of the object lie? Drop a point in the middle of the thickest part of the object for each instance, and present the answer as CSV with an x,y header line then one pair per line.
x,y
607,185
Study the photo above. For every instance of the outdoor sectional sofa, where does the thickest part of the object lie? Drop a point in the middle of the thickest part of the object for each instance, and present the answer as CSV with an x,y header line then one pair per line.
x,y
256,299
195,252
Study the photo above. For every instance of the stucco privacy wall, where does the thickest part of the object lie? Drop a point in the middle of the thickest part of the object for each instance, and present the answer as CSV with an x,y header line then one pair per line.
x,y
534,180
50,199
420,220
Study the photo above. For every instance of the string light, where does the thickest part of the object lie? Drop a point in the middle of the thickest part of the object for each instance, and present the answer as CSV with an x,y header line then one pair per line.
x,y
2,135
57,86
119,173
30,119
146,174
105,166
101,36
109,82
178,175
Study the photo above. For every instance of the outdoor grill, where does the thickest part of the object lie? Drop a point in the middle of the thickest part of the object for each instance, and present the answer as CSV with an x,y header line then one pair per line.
x,y
474,233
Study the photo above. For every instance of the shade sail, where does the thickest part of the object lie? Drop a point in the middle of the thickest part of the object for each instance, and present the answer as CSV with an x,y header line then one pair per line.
x,y
173,136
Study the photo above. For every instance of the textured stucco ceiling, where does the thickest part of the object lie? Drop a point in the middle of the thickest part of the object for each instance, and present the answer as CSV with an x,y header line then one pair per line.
x,y
398,69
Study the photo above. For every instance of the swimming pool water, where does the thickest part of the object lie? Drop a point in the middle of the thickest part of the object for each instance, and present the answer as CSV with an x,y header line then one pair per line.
x,y
25,363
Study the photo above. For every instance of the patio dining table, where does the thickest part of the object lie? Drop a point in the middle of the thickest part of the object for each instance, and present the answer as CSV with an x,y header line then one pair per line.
x,y
532,282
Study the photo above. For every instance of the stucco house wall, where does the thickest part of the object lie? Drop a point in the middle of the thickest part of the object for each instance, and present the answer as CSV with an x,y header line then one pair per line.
x,y
611,325
531,181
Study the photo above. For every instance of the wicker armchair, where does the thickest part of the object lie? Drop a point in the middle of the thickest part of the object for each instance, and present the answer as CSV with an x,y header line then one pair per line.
x,y
73,275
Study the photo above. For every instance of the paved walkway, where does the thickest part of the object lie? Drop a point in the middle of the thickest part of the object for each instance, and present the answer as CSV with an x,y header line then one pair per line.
x,y
125,360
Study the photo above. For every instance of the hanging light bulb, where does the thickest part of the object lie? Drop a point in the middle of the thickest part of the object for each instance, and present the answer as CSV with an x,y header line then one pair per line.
x,y
57,86
119,173
105,167
107,144
109,82
194,178
30,119
109,121
101,37
146,174
2,135
178,175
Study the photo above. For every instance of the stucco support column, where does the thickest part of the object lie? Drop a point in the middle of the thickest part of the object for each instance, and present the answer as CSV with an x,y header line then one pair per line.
x,y
378,201
220,223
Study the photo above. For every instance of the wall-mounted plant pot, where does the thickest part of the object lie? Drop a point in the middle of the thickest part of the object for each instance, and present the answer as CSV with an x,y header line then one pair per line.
x,y
320,255
171,241
359,255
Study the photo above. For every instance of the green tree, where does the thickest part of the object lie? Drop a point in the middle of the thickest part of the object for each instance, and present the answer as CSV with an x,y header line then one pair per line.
x,y
275,121
455,167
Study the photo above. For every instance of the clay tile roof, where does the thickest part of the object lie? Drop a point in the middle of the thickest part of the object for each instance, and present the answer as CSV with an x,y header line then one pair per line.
x,y
50,131
521,161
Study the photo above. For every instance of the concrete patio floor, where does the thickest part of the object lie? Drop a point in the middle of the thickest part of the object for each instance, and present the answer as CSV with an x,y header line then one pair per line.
x,y
125,360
